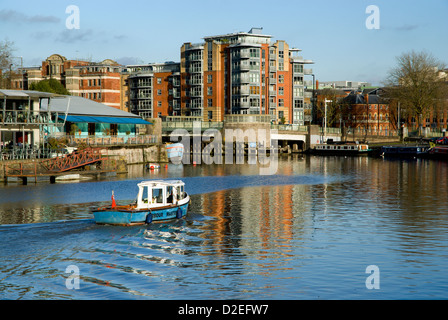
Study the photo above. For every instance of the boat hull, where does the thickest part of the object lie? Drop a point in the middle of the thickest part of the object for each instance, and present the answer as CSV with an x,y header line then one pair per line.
x,y
341,152
128,217
405,151
438,153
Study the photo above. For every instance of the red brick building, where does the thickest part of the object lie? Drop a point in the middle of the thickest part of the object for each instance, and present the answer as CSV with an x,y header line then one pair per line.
x,y
100,82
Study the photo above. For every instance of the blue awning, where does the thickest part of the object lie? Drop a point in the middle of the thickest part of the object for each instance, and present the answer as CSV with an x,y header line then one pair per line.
x,y
99,119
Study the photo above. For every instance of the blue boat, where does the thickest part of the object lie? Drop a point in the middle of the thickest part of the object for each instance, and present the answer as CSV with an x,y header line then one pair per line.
x,y
157,200
404,151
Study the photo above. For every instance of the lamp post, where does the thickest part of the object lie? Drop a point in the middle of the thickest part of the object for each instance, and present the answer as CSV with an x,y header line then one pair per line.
x,y
325,119
313,103
10,75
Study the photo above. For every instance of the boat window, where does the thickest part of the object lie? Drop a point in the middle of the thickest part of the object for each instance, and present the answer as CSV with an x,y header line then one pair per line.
x,y
157,195
169,194
182,194
145,195
179,193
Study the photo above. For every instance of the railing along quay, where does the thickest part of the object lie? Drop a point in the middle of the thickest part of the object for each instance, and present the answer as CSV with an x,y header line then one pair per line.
x,y
110,140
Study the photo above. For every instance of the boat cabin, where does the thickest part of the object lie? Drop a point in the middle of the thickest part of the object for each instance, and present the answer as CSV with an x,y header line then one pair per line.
x,y
159,193
343,147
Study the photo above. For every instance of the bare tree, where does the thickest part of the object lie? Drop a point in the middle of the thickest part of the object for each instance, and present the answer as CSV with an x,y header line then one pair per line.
x,y
6,50
415,82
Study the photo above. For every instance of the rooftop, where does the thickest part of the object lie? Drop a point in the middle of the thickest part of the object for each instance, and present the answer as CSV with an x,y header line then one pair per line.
x,y
24,93
81,106
161,182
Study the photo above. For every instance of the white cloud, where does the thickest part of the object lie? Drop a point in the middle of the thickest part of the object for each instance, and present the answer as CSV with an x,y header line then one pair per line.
x,y
18,17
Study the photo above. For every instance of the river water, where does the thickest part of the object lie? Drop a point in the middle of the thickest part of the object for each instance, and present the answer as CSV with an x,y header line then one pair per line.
x,y
314,230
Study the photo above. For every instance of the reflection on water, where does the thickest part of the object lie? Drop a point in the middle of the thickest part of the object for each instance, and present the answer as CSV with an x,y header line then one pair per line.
x,y
308,232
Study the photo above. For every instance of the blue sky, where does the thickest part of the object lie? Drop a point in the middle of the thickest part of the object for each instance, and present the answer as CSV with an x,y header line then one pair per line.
x,y
331,33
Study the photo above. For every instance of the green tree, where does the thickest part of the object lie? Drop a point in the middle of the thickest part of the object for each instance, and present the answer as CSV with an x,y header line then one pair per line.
x,y
49,85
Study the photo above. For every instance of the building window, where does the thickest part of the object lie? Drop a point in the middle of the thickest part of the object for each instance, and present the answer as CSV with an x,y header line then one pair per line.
x,y
298,92
298,68
159,80
280,91
298,80
281,115
209,78
159,92
254,53
210,115
254,90
254,77
210,102
281,103
159,103
298,103
254,65
209,91
281,78
254,102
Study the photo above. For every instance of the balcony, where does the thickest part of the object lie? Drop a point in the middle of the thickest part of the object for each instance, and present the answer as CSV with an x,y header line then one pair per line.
x,y
196,94
194,57
27,117
194,70
244,67
244,78
244,105
243,55
308,71
195,82
244,91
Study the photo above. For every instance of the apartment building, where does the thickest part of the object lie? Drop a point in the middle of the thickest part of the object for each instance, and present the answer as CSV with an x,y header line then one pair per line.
x,y
97,81
242,73
153,90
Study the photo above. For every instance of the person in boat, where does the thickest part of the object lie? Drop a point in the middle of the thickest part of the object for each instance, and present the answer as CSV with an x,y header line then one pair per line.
x,y
169,199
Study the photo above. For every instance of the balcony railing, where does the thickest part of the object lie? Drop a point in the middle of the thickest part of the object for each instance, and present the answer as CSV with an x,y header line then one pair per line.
x,y
28,117
189,125
289,127
92,140
29,152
